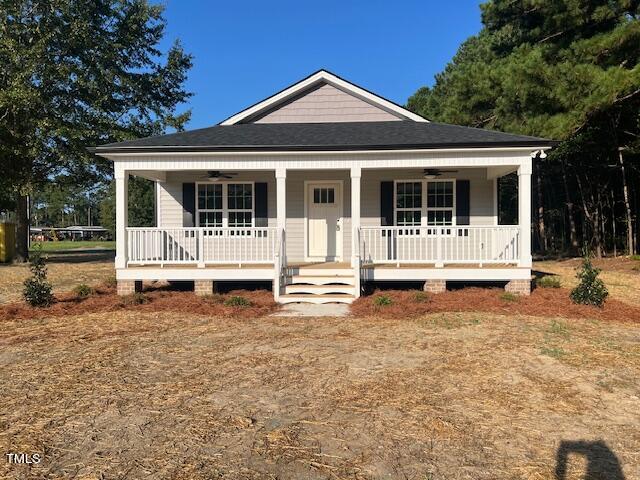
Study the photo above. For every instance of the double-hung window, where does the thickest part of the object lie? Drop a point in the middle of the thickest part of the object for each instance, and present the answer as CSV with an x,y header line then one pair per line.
x,y
408,204
440,204
424,202
210,212
226,205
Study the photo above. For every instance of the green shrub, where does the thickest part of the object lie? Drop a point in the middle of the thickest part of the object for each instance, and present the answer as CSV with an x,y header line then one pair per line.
x,y
137,298
237,301
382,301
110,282
421,297
37,290
214,298
509,297
591,290
83,290
548,281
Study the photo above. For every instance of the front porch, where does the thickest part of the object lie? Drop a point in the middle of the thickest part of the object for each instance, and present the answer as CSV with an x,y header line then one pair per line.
x,y
318,235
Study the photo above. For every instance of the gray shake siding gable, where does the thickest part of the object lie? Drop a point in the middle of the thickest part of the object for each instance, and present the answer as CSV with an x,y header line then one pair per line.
x,y
481,199
325,103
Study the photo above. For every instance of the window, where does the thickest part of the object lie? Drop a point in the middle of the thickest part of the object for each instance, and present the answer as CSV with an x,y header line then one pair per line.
x,y
240,204
324,195
225,205
440,203
210,205
437,207
408,203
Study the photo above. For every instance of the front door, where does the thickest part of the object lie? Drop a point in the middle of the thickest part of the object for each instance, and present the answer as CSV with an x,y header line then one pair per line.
x,y
324,213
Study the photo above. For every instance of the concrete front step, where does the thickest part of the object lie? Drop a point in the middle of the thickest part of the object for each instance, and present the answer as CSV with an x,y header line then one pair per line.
x,y
320,279
319,289
317,299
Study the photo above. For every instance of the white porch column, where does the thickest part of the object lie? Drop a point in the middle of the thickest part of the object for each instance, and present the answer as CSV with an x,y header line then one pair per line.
x,y
356,174
281,198
524,212
122,211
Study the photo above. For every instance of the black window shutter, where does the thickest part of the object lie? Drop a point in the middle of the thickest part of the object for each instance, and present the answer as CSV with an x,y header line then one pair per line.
x,y
262,217
386,204
462,202
188,204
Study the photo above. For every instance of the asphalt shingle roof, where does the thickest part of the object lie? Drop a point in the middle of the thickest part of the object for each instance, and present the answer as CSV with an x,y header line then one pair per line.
x,y
390,135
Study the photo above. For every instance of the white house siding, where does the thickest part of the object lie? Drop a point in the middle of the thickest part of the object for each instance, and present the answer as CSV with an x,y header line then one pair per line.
x,y
481,199
171,210
325,104
480,195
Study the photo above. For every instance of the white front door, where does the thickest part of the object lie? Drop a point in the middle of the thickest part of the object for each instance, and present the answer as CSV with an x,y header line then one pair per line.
x,y
324,221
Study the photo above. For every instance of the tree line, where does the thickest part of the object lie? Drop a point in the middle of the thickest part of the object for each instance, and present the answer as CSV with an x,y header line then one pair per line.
x,y
569,71
75,74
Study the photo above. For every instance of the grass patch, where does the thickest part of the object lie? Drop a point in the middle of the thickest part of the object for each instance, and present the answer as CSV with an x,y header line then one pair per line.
x,y
509,297
382,301
64,245
553,352
421,297
549,281
237,301
635,257
137,298
214,298
83,290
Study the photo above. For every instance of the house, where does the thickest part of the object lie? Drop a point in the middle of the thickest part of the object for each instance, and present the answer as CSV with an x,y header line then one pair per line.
x,y
321,187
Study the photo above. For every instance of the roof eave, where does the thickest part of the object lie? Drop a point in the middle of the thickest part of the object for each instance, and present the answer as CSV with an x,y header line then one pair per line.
x,y
318,148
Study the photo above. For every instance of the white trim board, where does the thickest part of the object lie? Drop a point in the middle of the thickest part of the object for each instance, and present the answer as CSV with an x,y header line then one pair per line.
x,y
312,80
373,274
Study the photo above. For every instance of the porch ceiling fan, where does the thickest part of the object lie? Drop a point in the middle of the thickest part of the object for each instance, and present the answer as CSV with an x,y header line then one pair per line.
x,y
436,172
215,175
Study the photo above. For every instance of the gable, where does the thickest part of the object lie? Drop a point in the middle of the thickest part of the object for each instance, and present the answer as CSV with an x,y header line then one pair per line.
x,y
323,97
325,103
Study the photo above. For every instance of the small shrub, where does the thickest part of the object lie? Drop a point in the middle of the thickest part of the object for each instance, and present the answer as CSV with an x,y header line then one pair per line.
x,y
635,257
110,282
83,290
37,290
382,301
548,281
591,290
137,298
421,297
509,297
214,298
237,301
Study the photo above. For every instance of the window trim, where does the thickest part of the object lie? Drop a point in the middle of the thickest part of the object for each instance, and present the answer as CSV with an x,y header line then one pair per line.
x,y
424,209
225,203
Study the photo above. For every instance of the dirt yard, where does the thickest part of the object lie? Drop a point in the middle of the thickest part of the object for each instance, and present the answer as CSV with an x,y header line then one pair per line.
x,y
161,392
447,396
621,275
66,270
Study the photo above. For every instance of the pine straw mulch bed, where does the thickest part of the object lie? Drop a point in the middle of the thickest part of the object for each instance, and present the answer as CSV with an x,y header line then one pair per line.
x,y
543,302
105,299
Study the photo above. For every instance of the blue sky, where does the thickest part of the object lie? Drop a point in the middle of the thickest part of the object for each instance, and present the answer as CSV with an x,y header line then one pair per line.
x,y
245,51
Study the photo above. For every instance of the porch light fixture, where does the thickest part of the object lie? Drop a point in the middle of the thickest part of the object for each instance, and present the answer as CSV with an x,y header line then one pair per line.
x,y
429,176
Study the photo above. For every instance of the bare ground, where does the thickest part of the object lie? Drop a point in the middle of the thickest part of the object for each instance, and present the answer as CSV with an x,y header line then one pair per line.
x,y
65,269
621,275
445,396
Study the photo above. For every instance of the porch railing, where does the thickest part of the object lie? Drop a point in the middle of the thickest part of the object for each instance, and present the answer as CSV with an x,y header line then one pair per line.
x,y
201,245
440,245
